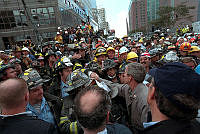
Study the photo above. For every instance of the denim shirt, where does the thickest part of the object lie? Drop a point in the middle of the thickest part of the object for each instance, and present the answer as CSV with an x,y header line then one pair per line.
x,y
64,87
45,112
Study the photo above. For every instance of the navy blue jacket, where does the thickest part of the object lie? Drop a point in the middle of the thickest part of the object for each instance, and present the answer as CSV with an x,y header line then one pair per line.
x,y
23,124
174,127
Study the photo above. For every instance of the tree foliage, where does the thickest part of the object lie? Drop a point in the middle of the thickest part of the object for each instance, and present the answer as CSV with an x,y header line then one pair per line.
x,y
168,16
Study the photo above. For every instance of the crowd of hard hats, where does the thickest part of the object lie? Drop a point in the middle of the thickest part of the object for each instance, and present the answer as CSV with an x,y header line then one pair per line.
x,y
83,50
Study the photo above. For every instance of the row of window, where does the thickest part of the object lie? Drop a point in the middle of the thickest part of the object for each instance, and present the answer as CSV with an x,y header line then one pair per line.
x,y
25,24
17,18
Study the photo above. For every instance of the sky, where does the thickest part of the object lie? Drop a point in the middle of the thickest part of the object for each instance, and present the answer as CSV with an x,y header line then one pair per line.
x,y
116,14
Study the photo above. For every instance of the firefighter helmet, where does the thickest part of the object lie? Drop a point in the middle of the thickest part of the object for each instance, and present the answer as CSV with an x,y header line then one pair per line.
x,y
100,51
185,46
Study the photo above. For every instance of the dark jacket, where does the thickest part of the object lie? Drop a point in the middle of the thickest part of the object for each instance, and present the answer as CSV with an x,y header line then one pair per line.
x,y
174,127
117,129
136,103
111,129
23,124
55,104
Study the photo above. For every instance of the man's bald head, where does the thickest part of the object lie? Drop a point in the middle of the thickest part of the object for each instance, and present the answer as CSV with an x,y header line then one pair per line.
x,y
91,106
89,101
12,93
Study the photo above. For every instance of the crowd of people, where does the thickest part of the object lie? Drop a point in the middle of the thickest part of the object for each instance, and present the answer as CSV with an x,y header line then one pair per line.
x,y
81,83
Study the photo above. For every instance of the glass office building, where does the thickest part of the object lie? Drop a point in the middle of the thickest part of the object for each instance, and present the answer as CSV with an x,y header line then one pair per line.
x,y
36,19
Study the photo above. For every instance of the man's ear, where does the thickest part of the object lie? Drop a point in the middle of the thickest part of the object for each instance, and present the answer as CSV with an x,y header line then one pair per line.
x,y
26,97
108,115
151,94
60,73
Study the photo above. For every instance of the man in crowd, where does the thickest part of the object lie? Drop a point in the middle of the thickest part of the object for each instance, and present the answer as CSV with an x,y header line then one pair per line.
x,y
14,119
174,101
7,71
59,86
17,63
134,92
92,107
46,108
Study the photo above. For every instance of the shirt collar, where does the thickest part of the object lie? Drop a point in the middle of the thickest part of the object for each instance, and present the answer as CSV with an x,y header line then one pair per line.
x,y
148,124
23,113
30,107
103,132
63,85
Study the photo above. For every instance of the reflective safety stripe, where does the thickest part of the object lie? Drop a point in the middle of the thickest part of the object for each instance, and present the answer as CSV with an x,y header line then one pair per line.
x,y
64,119
73,128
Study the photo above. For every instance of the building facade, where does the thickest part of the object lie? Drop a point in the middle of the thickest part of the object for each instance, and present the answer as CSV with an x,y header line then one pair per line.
x,y
103,25
142,12
88,6
36,19
137,14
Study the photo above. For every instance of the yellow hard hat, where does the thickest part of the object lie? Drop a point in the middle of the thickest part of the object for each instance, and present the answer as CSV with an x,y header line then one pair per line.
x,y
141,41
194,49
131,55
125,36
110,48
100,51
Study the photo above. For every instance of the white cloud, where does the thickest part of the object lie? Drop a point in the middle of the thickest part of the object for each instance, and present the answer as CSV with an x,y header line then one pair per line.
x,y
119,24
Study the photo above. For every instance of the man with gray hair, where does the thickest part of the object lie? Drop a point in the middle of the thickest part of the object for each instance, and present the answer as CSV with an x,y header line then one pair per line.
x,y
135,94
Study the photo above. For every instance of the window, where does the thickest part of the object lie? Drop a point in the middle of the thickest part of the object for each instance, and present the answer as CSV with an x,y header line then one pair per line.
x,y
7,19
33,11
44,11
51,10
16,12
52,15
46,16
39,10
42,15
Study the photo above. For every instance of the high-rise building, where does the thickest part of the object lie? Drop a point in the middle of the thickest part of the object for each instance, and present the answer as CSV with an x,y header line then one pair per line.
x,y
137,14
152,8
198,18
36,19
89,6
142,12
103,25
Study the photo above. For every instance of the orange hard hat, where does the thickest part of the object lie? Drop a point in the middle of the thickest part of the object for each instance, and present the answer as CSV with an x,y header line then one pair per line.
x,y
185,46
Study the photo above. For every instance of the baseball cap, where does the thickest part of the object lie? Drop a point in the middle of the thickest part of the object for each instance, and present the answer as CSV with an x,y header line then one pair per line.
x,y
177,78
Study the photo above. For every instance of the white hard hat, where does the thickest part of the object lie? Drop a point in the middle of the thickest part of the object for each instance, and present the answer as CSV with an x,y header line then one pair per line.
x,y
25,49
123,50
67,61
185,39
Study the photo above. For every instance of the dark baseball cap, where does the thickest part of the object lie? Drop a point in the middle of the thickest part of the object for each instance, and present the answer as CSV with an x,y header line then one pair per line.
x,y
177,78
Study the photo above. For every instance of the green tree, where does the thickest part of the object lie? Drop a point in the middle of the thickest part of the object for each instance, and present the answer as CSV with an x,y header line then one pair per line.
x,y
168,16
